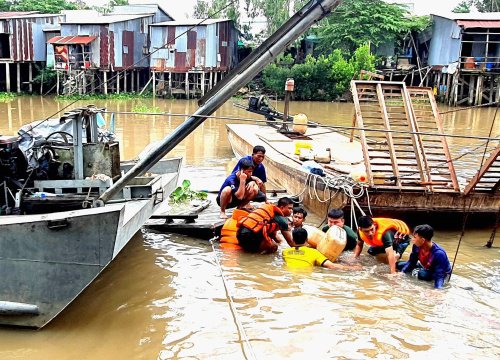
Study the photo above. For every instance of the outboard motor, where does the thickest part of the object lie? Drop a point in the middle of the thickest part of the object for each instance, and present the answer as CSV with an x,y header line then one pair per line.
x,y
12,161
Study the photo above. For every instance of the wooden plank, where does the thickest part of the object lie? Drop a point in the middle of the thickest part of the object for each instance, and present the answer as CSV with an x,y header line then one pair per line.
x,y
364,145
390,144
493,157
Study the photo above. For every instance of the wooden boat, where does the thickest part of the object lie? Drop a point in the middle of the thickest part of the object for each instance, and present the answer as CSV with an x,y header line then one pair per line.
x,y
400,152
49,256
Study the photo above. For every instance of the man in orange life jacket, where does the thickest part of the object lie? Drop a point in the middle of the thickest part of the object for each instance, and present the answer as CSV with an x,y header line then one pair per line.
x,y
390,236
264,228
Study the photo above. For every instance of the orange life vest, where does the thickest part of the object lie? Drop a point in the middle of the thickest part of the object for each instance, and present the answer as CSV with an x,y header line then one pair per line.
x,y
228,238
382,226
261,219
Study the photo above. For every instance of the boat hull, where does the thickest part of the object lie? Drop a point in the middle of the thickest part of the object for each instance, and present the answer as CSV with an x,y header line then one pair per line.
x,y
287,172
47,260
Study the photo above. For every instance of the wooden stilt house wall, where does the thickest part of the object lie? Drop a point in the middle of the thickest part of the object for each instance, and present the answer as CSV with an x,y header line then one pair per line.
x,y
189,58
23,47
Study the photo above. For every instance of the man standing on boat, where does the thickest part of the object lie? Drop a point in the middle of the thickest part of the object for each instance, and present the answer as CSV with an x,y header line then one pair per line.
x,y
259,171
238,189
264,228
427,258
384,235
336,217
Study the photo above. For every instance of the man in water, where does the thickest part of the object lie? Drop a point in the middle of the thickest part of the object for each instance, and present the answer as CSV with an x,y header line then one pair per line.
x,y
259,171
336,217
384,235
264,228
238,189
427,258
302,256
298,218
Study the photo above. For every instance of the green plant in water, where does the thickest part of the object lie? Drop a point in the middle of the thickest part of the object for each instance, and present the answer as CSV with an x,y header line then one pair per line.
x,y
142,108
6,97
184,193
120,96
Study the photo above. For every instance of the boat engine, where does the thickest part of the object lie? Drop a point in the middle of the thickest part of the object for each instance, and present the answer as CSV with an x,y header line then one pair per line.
x,y
13,164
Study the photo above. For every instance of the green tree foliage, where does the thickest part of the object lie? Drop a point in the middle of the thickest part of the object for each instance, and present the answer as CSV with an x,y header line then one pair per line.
x,y
463,7
487,5
481,5
324,78
357,22
45,6
4,5
217,9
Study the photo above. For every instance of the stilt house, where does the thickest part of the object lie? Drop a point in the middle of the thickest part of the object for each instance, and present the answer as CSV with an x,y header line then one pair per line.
x,y
465,54
23,37
102,53
189,57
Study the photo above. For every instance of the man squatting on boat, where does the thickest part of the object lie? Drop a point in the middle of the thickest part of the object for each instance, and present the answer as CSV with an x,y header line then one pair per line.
x,y
259,171
245,183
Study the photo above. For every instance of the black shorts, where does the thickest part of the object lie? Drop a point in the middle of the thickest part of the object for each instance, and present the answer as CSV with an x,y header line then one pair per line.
x,y
249,240
399,246
235,202
261,197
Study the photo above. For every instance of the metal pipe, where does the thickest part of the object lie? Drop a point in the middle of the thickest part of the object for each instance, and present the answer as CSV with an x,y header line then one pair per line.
x,y
313,11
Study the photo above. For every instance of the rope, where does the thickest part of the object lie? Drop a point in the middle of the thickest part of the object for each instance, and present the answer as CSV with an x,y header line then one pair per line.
x,y
466,214
469,107
241,329
315,125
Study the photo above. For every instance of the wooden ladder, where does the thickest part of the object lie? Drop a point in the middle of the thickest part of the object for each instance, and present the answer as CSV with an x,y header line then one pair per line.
x,y
396,155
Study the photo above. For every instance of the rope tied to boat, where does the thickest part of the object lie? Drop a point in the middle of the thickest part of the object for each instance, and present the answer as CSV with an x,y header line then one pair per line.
x,y
239,325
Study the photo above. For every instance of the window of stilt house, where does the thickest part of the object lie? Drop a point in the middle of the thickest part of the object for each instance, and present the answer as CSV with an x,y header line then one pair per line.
x,y
480,49
4,46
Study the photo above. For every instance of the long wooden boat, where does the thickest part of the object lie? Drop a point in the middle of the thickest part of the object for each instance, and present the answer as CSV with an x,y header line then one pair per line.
x,y
57,243
400,152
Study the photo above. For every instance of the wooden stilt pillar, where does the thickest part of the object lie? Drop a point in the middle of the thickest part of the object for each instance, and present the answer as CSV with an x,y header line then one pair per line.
x,y
138,80
170,83
18,80
154,84
124,81
187,86
203,83
57,82
118,82
7,76
479,90
471,90
215,78
30,78
132,81
92,84
492,89
497,96
84,83
105,73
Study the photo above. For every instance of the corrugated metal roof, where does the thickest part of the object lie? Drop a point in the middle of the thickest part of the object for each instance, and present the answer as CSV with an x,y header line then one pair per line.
x,y
22,14
470,16
66,40
191,22
479,24
107,19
